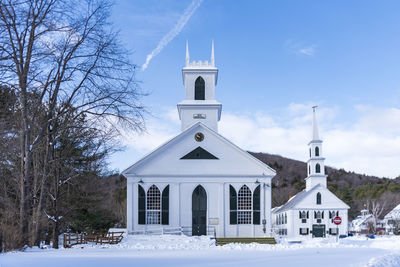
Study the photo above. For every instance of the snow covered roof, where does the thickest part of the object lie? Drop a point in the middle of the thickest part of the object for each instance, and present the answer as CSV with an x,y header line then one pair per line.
x,y
394,213
359,221
291,202
294,202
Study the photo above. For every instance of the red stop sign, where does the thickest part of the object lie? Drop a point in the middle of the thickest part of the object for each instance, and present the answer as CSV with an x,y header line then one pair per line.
x,y
337,220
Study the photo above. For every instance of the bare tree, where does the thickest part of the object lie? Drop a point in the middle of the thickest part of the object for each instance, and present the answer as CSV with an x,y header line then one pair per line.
x,y
61,57
376,208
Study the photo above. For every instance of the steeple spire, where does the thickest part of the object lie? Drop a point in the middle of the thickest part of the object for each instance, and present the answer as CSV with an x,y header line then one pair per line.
x,y
212,54
187,54
315,135
315,165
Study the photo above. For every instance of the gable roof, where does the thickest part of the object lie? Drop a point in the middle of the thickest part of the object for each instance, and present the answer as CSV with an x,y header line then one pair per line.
x,y
166,159
295,202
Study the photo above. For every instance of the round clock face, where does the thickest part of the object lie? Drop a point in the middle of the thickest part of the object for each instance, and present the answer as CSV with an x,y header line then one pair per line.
x,y
199,137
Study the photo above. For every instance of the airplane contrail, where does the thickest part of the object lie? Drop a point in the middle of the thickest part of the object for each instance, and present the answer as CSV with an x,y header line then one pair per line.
x,y
173,32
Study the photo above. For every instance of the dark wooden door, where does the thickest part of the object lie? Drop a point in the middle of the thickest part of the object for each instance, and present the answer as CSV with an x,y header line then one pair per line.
x,y
318,230
199,211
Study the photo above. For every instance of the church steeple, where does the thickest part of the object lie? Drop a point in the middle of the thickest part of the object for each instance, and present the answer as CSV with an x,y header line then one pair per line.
x,y
315,164
199,105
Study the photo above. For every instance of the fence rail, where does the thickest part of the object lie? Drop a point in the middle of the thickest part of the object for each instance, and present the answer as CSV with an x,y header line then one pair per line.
x,y
184,230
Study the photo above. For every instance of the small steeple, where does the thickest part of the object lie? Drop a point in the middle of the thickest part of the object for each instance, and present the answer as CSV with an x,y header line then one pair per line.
x,y
212,54
315,135
187,54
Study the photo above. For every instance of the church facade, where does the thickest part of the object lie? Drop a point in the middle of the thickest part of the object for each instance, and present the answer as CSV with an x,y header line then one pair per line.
x,y
199,180
310,212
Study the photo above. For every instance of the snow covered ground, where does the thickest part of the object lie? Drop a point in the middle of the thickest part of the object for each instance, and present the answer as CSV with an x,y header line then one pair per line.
x,y
201,251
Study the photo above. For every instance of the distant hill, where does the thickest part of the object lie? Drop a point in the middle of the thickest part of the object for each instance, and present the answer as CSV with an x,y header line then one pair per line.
x,y
353,188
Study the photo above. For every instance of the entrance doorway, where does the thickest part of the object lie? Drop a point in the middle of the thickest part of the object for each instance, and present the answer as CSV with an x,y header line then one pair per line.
x,y
199,211
318,230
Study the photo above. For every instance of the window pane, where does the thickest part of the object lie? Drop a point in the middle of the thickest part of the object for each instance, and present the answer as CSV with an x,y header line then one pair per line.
x,y
153,214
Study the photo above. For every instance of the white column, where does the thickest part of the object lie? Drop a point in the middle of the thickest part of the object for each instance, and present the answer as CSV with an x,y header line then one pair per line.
x,y
129,205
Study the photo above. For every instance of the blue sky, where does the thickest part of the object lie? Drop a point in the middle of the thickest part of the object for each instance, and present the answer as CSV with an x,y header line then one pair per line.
x,y
276,59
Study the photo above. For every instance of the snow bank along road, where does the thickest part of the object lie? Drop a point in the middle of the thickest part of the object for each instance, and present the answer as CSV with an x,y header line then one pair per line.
x,y
201,251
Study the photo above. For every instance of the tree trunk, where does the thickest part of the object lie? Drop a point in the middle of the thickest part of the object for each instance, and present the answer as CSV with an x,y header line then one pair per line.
x,y
43,193
55,234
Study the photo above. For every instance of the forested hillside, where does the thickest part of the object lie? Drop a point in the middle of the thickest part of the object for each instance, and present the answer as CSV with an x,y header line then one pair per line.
x,y
353,188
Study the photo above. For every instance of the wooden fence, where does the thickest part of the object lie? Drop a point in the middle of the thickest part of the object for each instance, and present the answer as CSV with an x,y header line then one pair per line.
x,y
71,239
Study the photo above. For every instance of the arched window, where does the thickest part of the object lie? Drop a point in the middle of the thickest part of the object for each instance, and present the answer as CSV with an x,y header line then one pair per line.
x,y
317,151
310,152
153,206
285,218
318,198
232,205
309,169
244,205
317,168
256,205
199,89
142,205
165,206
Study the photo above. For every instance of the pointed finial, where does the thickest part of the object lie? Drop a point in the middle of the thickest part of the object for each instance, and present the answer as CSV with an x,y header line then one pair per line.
x,y
187,53
314,125
212,54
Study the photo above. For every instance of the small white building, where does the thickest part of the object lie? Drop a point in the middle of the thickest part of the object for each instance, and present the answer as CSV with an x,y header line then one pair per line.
x,y
392,221
199,180
311,211
361,223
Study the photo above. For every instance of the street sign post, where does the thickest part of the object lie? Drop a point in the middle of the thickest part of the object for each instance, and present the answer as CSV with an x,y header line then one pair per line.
x,y
337,220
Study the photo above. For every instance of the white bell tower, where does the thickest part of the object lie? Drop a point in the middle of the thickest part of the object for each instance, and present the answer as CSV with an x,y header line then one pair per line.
x,y
315,165
199,105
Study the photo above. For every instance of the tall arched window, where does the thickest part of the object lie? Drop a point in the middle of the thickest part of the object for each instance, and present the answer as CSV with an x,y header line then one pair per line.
x,y
309,169
244,205
285,218
232,205
153,206
256,205
318,198
310,152
317,168
165,206
317,151
142,205
199,89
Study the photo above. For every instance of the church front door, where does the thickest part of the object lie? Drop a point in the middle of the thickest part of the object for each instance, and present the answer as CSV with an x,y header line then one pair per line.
x,y
199,211
318,230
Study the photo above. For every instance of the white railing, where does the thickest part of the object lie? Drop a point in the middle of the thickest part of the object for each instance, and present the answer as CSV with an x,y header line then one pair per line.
x,y
184,230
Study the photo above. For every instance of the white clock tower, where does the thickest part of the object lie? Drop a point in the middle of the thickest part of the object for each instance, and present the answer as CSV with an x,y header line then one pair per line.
x,y
199,105
315,165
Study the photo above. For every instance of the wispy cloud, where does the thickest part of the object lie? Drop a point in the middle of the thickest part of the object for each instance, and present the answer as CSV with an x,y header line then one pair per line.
x,y
308,51
187,14
300,48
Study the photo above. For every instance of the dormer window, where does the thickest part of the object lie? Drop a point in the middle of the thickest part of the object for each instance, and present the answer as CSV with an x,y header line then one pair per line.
x,y
199,89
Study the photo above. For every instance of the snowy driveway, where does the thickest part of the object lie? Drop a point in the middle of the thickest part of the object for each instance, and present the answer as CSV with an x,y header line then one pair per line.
x,y
186,251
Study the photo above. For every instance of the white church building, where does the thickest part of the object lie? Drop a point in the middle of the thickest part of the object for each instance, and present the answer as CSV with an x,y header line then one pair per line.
x,y
199,180
310,212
